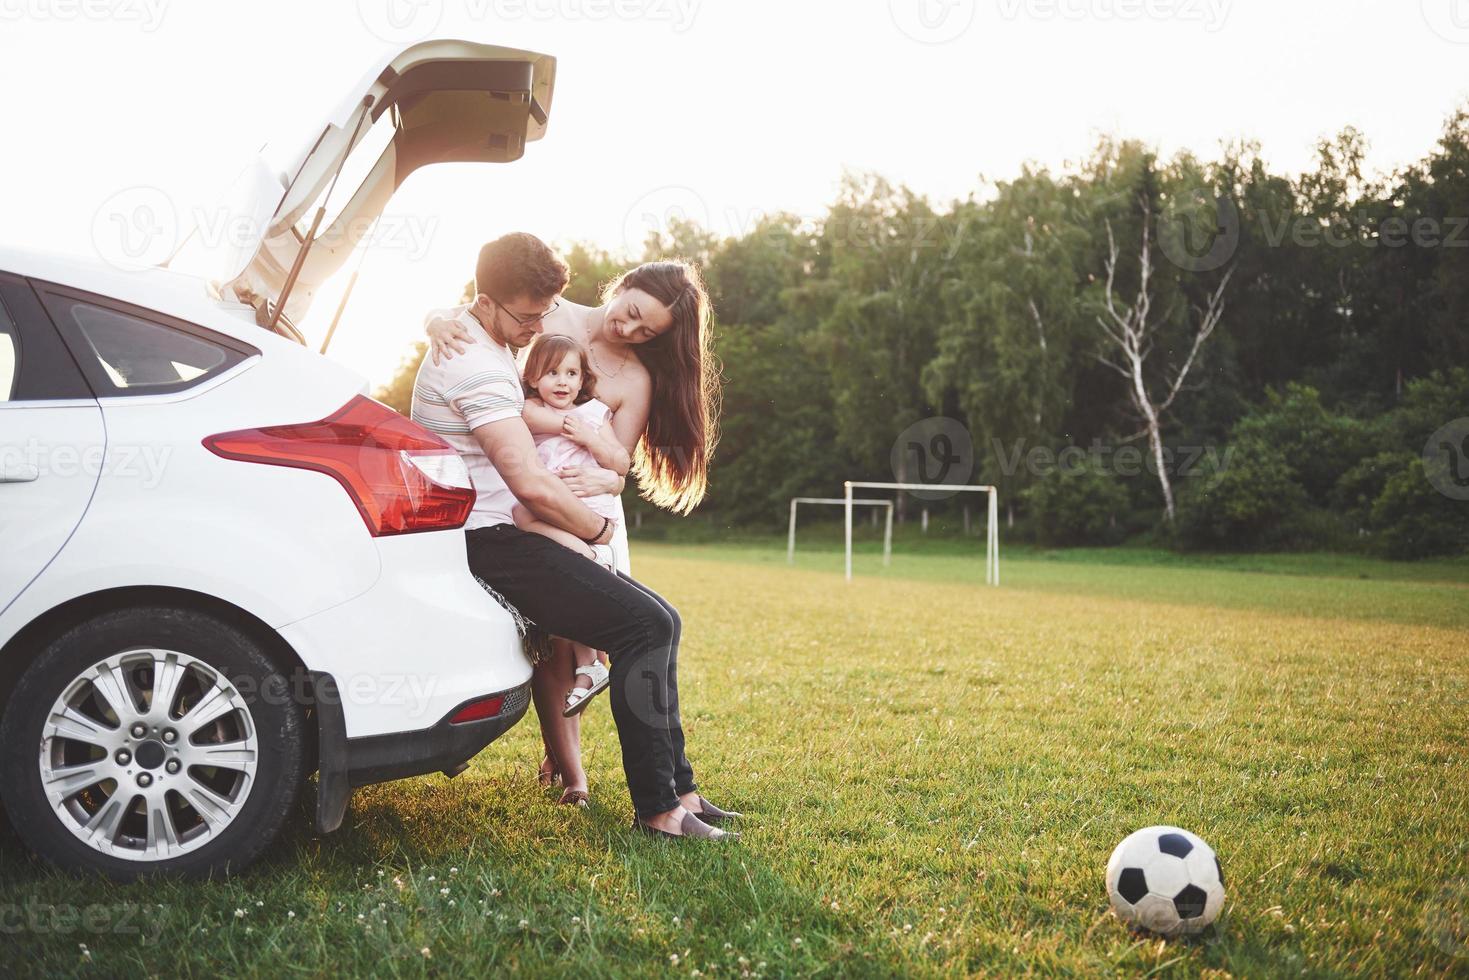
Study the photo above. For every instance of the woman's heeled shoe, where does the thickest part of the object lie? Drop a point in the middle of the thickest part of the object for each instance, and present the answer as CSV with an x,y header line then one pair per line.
x,y
548,775
575,797
712,815
689,826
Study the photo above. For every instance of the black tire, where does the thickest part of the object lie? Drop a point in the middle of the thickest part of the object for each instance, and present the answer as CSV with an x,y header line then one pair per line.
x,y
277,722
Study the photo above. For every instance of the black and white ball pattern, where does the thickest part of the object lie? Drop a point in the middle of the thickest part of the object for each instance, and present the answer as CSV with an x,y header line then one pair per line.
x,y
1165,880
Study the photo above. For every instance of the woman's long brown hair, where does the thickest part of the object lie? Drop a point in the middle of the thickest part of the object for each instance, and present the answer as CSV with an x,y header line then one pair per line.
x,y
672,458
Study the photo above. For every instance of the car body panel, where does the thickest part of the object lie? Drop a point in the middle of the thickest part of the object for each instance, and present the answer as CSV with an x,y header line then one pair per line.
x,y
278,543
50,457
424,639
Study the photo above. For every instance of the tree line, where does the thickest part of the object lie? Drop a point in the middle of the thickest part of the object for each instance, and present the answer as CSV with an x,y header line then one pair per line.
x,y
1199,352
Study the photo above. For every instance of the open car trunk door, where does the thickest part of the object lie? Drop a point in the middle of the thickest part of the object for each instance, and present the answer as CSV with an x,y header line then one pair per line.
x,y
438,101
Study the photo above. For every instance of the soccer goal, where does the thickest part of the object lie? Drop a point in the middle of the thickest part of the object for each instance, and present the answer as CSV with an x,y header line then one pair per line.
x,y
992,521
887,534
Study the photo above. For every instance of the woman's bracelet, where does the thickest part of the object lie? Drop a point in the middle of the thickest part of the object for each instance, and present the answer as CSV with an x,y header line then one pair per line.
x,y
594,539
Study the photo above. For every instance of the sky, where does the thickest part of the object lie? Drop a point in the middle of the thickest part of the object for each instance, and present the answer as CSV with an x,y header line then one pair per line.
x,y
720,110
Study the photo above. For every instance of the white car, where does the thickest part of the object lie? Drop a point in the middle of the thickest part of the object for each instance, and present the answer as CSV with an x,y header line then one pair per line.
x,y
222,566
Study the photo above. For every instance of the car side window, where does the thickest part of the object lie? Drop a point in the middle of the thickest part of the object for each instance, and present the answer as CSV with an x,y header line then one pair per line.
x,y
9,354
34,363
127,353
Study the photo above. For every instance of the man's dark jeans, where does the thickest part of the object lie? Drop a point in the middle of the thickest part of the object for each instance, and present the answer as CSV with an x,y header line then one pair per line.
x,y
566,595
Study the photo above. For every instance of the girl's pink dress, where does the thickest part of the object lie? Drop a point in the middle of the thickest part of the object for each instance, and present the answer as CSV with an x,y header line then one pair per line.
x,y
557,451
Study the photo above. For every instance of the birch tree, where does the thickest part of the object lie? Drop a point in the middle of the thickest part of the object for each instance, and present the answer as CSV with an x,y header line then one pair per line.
x,y
1131,329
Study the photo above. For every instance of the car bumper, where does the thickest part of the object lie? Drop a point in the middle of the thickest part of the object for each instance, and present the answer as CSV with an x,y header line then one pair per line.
x,y
445,746
423,640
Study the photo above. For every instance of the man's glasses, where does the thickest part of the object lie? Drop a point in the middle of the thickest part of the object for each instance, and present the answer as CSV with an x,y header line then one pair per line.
x,y
526,321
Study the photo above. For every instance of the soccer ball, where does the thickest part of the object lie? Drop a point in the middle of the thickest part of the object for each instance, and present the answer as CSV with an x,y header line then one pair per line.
x,y
1165,880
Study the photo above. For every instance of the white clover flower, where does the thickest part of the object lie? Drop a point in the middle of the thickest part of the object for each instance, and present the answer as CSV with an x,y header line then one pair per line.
x,y
525,923
240,913
443,891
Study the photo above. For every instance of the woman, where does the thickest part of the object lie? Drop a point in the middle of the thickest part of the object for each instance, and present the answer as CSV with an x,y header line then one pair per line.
x,y
649,345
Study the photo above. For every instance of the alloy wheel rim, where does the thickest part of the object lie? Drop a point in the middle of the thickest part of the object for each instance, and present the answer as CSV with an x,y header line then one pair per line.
x,y
148,755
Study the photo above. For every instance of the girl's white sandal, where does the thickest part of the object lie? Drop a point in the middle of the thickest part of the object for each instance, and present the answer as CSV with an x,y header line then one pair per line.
x,y
577,697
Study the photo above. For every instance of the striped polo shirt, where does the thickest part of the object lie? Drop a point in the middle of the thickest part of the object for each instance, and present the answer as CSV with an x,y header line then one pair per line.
x,y
453,398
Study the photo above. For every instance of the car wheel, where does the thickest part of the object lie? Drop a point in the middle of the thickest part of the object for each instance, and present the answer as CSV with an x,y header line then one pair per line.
x,y
151,740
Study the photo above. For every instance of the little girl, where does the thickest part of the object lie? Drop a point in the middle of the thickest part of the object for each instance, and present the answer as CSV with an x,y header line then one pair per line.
x,y
557,376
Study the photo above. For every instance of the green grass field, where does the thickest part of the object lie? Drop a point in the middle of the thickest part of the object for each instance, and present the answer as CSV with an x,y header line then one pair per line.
x,y
933,773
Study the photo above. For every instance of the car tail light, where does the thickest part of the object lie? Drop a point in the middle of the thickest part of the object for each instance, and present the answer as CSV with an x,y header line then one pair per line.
x,y
402,477
477,710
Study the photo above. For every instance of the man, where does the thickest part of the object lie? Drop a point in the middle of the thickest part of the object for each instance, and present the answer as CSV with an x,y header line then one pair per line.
x,y
475,402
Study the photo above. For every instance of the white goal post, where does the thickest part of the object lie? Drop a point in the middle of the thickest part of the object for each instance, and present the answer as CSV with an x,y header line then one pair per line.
x,y
887,534
992,538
